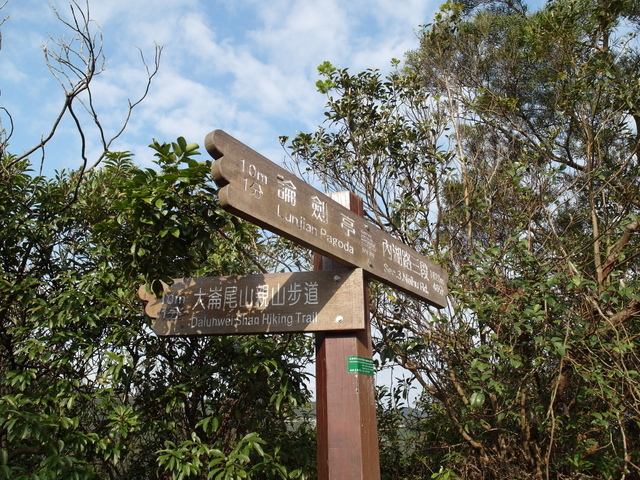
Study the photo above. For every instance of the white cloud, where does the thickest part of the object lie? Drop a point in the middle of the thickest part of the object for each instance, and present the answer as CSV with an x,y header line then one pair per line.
x,y
300,34
10,72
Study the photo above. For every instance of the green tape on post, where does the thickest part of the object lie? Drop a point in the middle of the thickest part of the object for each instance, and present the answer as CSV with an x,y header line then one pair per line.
x,y
360,365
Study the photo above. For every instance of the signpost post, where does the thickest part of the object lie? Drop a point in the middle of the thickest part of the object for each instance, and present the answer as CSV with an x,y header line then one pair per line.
x,y
346,423
335,295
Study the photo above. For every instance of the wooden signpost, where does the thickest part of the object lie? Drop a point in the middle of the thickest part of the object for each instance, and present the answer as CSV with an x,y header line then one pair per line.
x,y
332,300
346,422
260,191
252,304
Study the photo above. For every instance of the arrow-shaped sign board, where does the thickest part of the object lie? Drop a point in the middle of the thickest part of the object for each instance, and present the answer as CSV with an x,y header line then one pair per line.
x,y
325,300
258,190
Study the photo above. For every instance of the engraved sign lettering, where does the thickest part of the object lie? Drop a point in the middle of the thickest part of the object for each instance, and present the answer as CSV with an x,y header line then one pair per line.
x,y
260,191
269,303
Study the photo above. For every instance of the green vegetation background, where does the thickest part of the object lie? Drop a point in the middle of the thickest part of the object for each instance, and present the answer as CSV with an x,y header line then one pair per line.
x,y
505,148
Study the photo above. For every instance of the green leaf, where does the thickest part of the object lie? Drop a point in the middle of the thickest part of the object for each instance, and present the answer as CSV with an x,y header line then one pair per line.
x,y
476,399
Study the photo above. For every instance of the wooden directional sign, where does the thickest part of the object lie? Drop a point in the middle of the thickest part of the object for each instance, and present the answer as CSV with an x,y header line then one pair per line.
x,y
270,303
260,191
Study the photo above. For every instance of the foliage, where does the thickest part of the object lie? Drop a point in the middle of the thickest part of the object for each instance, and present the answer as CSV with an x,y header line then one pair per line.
x,y
507,150
87,391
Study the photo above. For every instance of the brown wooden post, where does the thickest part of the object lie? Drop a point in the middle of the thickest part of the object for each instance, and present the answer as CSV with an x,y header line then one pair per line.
x,y
345,402
256,189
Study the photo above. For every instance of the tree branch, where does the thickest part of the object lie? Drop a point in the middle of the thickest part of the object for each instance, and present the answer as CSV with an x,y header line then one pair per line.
x,y
75,64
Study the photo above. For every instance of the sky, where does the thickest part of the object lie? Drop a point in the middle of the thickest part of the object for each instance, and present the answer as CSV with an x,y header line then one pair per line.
x,y
248,67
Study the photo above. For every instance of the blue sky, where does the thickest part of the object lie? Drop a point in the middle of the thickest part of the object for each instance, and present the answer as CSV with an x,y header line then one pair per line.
x,y
245,66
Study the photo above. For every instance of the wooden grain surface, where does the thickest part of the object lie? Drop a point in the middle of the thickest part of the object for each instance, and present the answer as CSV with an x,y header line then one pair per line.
x,y
258,190
264,303
345,401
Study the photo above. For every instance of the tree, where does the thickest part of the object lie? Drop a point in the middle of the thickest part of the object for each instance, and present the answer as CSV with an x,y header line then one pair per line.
x,y
75,63
86,389
508,149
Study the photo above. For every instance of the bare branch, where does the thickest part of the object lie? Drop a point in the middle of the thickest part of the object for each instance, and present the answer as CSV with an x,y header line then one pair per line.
x,y
151,73
612,256
75,63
